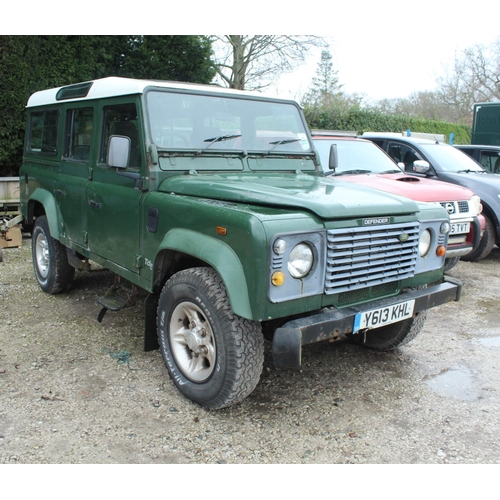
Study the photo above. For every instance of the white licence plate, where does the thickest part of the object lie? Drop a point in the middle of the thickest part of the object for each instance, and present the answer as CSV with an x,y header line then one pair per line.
x,y
383,316
460,228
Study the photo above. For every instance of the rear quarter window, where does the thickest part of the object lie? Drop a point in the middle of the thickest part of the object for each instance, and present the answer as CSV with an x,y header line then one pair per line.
x,y
43,131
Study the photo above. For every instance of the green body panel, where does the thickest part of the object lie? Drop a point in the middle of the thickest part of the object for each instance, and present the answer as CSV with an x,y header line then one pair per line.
x,y
251,210
45,198
218,255
325,197
114,220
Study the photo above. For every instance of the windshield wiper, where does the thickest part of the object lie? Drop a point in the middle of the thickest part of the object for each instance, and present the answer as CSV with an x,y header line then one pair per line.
x,y
219,138
348,172
278,143
469,170
393,171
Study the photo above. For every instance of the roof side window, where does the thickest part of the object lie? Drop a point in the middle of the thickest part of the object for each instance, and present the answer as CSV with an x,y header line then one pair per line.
x,y
78,135
43,132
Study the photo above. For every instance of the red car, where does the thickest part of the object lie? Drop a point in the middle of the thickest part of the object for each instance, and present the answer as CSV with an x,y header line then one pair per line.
x,y
346,156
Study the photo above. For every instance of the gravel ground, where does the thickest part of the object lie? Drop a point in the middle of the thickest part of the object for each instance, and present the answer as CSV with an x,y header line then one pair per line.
x,y
75,391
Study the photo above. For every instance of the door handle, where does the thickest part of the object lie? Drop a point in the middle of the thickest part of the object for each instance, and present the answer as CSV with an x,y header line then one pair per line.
x,y
94,204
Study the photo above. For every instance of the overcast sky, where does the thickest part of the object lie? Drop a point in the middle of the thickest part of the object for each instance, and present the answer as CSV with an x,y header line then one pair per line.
x,y
388,49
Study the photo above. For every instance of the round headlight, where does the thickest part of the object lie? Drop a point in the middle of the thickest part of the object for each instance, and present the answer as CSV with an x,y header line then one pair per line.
x,y
424,243
300,260
445,228
279,246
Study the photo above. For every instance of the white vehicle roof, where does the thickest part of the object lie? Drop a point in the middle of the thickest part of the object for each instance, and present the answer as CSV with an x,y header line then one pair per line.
x,y
115,86
413,139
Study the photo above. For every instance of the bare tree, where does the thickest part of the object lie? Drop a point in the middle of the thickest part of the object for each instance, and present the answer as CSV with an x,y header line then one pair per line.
x,y
474,77
424,104
252,62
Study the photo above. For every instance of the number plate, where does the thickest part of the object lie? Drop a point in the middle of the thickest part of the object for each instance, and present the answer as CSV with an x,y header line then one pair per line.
x,y
460,228
383,316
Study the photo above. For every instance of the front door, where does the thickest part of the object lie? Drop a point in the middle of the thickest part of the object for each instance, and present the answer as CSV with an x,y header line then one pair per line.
x,y
113,201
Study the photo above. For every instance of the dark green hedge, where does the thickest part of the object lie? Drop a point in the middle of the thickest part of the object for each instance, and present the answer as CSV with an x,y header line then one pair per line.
x,y
366,120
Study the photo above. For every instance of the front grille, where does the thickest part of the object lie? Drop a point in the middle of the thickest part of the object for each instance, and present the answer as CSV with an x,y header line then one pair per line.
x,y
364,294
365,257
453,207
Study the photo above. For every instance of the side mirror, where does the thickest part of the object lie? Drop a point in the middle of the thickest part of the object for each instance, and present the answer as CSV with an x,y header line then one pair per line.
x,y
118,151
421,166
333,158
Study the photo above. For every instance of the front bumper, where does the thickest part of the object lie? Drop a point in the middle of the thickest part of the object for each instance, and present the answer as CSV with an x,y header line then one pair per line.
x,y
460,250
333,323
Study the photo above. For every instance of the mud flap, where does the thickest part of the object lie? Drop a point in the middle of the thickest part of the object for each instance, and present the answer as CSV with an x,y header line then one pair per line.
x,y
287,348
150,333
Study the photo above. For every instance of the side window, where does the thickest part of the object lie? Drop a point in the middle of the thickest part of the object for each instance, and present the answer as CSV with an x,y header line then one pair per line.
x,y
121,120
490,160
43,132
403,153
78,135
395,152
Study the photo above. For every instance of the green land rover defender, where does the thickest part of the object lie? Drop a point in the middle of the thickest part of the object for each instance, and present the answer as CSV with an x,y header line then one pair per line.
x,y
214,202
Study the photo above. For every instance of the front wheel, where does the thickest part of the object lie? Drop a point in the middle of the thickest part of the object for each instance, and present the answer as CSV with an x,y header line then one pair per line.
x,y
450,263
392,336
485,245
214,357
52,269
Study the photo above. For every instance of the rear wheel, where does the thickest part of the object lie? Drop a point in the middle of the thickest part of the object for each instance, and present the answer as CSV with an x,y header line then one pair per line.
x,y
392,336
214,357
485,245
52,269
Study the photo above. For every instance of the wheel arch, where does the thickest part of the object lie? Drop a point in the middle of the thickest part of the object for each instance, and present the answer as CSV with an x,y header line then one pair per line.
x,y
203,250
42,202
492,215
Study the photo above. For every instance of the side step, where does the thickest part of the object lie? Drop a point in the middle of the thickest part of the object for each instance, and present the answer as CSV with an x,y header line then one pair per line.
x,y
116,298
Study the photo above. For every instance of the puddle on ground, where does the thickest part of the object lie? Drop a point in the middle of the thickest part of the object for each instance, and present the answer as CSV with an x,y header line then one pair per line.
x,y
487,337
456,382
490,341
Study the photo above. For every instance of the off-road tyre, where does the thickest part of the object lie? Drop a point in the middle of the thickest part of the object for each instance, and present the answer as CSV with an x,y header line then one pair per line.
x,y
52,269
485,245
195,317
392,336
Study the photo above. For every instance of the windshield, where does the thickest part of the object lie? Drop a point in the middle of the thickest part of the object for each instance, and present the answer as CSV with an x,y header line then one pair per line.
x,y
449,159
210,123
355,155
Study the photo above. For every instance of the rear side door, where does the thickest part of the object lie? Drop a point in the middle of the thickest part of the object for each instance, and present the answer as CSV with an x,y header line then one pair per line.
x,y
113,200
73,176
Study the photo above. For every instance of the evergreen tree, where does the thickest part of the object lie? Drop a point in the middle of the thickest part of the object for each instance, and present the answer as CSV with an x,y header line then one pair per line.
x,y
37,62
325,88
